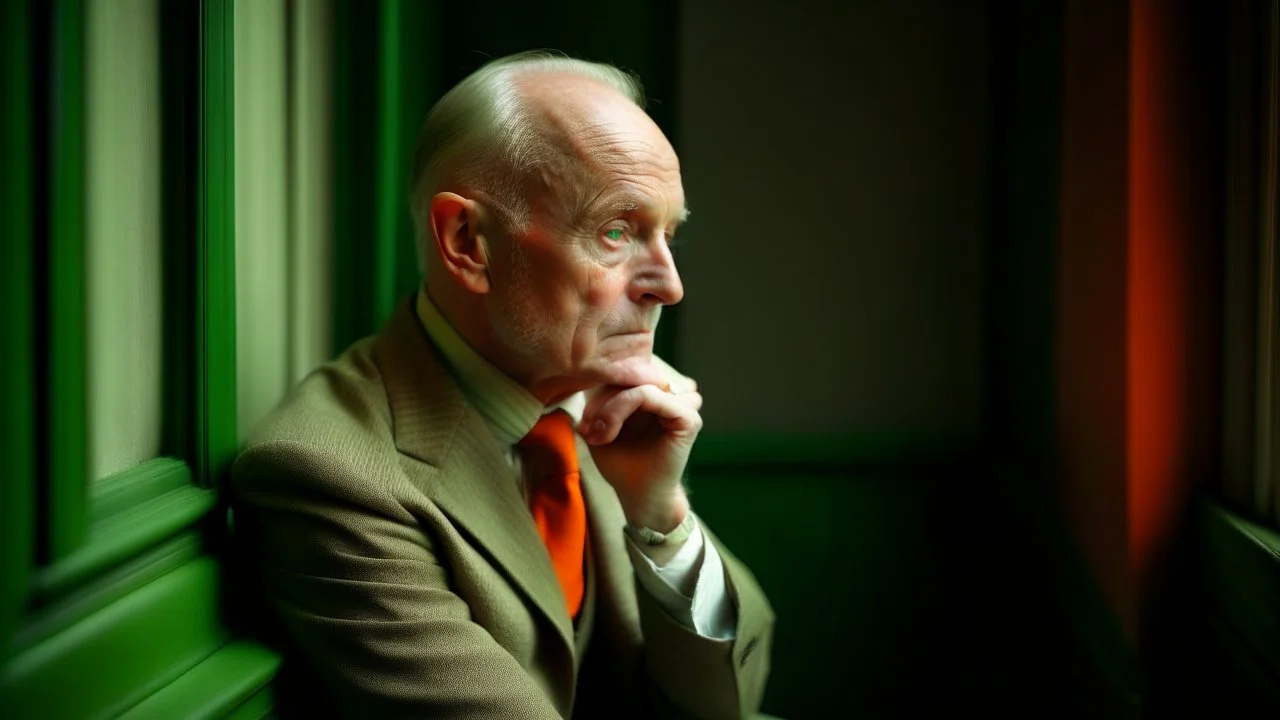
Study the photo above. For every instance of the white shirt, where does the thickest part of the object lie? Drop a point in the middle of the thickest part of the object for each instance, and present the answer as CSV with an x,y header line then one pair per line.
x,y
688,581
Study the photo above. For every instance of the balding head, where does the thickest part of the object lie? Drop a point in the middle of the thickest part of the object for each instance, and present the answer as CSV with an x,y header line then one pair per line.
x,y
587,129
501,129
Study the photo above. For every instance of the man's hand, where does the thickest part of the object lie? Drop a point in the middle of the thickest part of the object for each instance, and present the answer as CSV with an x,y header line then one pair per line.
x,y
640,438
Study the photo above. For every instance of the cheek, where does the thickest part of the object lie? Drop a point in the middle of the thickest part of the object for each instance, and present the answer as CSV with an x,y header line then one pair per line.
x,y
605,299
600,309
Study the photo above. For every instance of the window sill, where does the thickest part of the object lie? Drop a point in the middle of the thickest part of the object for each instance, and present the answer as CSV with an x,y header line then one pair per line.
x,y
132,512
232,682
1244,580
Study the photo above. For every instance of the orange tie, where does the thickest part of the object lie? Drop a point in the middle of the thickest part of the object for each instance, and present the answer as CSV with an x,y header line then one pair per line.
x,y
551,465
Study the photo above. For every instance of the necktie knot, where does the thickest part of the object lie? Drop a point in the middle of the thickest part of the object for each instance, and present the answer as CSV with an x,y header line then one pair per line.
x,y
550,448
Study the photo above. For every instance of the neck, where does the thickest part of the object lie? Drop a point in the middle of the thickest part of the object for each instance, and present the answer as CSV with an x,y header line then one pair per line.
x,y
466,314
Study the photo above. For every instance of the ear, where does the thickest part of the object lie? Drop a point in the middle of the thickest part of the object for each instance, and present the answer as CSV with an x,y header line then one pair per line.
x,y
455,224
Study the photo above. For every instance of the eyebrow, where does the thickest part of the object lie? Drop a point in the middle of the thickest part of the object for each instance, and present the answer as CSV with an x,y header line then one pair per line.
x,y
629,204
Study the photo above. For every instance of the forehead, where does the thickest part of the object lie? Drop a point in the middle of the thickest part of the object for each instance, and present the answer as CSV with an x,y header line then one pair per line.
x,y
614,156
629,169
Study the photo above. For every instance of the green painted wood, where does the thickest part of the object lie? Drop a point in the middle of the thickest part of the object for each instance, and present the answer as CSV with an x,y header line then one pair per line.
x,y
101,591
66,449
121,493
390,193
118,656
227,683
375,261
261,705
216,292
84,599
1244,579
408,84
17,312
354,165
180,134
1212,646
147,505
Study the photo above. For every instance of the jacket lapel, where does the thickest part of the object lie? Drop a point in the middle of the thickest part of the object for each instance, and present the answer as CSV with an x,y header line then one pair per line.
x,y
463,469
614,573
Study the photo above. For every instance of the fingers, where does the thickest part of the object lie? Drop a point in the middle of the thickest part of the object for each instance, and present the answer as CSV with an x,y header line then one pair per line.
x,y
605,415
637,371
676,381
599,396
692,399
630,373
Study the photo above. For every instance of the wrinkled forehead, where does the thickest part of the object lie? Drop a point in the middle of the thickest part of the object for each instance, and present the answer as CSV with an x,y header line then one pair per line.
x,y
603,148
630,199
615,177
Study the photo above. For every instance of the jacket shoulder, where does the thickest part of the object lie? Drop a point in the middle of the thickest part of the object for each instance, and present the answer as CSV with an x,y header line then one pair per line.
x,y
337,418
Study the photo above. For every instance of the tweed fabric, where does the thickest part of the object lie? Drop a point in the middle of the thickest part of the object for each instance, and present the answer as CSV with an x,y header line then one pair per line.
x,y
410,579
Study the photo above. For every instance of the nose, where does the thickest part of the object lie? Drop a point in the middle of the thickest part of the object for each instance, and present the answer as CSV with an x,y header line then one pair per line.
x,y
658,281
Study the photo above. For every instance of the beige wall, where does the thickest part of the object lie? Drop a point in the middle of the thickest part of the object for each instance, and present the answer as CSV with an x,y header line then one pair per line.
x,y
311,200
283,240
832,156
262,209
123,268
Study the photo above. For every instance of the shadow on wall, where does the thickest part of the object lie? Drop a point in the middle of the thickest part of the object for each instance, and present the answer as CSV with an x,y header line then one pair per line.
x,y
904,589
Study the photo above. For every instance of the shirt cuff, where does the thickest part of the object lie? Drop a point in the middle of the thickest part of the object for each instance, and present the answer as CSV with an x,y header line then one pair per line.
x,y
690,586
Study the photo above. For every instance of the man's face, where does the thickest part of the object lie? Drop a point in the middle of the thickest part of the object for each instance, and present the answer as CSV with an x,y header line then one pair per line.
x,y
576,298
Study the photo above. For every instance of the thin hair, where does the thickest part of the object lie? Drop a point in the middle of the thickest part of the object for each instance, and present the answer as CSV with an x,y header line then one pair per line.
x,y
482,137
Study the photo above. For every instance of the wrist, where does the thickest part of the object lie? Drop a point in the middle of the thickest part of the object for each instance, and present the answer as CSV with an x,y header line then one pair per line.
x,y
663,515
661,546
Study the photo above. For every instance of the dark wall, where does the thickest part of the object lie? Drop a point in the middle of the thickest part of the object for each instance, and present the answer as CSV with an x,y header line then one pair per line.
x,y
833,159
635,35
873,187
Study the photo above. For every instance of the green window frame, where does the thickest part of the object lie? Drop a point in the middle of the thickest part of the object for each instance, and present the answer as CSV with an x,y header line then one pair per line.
x,y
89,566
90,527
375,264
17,363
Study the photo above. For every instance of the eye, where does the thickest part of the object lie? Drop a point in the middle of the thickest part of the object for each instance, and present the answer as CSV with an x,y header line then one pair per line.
x,y
616,236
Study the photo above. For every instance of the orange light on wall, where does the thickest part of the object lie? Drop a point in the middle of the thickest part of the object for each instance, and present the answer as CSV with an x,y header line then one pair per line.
x,y
1139,267
1160,197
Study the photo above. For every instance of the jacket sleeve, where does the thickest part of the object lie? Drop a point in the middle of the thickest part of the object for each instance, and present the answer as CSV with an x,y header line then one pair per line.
x,y
358,589
694,676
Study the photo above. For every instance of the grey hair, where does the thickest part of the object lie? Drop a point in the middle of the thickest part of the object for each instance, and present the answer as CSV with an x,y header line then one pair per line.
x,y
483,136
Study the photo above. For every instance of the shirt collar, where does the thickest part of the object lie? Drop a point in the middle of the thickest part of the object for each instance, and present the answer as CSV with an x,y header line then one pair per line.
x,y
509,409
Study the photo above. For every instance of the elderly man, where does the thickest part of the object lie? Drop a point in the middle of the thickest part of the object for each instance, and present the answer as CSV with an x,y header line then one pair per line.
x,y
480,512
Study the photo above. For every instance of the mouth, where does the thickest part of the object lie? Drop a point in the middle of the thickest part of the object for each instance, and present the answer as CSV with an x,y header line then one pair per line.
x,y
635,338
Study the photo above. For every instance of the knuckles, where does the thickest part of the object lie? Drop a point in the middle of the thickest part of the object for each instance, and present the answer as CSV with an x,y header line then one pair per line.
x,y
611,408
